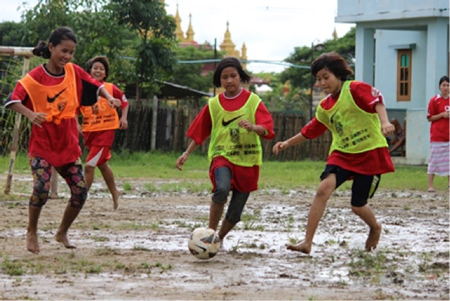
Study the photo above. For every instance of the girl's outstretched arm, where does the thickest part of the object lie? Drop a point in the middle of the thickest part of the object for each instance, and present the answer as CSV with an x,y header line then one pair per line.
x,y
183,158
387,128
282,145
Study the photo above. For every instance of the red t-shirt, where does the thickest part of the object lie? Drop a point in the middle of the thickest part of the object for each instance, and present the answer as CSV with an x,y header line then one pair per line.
x,y
245,179
57,144
439,130
373,162
105,138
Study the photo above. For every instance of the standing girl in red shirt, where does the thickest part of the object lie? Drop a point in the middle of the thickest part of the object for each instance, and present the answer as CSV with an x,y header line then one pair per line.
x,y
438,111
235,120
354,112
49,96
100,122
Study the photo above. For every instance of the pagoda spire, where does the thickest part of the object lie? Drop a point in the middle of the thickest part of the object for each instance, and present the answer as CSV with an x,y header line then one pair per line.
x,y
244,55
178,31
190,31
227,45
335,35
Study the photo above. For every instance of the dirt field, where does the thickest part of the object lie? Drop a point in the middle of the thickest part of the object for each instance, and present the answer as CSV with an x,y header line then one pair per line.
x,y
140,251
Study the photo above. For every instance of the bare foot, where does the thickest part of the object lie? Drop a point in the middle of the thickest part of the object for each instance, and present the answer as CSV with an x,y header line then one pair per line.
x,y
62,238
116,196
32,242
374,238
301,247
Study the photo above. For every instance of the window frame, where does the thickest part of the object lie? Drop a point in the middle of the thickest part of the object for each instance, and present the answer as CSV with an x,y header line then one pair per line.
x,y
406,70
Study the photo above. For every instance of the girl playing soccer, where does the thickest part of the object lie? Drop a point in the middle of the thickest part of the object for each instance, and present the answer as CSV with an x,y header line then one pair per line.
x,y
100,122
354,112
235,120
49,96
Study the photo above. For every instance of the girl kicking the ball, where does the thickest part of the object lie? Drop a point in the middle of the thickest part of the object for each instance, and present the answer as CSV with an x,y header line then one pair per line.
x,y
355,114
235,120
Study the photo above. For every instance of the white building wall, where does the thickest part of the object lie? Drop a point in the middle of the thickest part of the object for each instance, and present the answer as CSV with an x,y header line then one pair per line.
x,y
386,70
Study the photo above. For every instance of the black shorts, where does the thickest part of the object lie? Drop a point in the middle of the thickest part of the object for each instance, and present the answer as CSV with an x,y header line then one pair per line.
x,y
363,188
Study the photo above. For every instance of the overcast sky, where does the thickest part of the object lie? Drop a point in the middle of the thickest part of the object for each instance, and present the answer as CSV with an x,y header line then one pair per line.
x,y
269,29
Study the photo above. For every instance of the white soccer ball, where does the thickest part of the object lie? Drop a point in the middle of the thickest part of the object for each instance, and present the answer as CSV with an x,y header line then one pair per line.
x,y
204,243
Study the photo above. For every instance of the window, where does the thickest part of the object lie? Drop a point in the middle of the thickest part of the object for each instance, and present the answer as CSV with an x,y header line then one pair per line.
x,y
404,75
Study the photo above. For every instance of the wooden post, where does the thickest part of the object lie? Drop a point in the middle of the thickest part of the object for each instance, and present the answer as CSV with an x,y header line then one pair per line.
x,y
154,123
15,140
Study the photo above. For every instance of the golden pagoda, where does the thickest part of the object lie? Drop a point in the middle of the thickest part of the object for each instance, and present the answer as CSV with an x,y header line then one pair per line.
x,y
230,48
227,45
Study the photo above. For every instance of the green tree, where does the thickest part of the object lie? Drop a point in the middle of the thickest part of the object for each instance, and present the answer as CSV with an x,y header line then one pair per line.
x,y
93,23
195,75
300,77
154,54
12,35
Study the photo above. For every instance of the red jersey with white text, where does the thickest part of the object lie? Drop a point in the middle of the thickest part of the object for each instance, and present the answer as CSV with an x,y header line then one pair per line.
x,y
57,143
245,179
373,162
439,130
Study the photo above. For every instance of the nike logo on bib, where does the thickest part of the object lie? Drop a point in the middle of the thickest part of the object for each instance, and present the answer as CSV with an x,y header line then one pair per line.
x,y
52,99
332,116
225,123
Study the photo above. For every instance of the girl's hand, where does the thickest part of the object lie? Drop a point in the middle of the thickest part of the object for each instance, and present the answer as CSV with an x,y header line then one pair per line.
x,y
79,128
123,124
182,159
114,103
245,124
445,114
387,129
37,118
279,146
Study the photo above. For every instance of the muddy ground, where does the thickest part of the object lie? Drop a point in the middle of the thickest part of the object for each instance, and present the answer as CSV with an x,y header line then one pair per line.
x,y
140,251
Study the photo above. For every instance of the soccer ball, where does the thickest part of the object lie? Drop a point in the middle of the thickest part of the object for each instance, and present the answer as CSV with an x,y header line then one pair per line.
x,y
204,243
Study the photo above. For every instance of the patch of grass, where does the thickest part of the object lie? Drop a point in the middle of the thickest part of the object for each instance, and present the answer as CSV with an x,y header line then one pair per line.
x,y
100,238
100,227
370,264
293,241
105,252
135,226
127,186
93,269
283,176
12,268
151,187
140,248
163,267
198,225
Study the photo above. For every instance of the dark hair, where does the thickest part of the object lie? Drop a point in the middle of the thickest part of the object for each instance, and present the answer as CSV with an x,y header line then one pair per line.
x,y
98,59
443,79
57,36
229,62
333,62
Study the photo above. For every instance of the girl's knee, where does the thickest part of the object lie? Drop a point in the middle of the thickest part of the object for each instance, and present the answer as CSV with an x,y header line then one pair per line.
x,y
77,200
324,192
220,195
38,200
358,208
